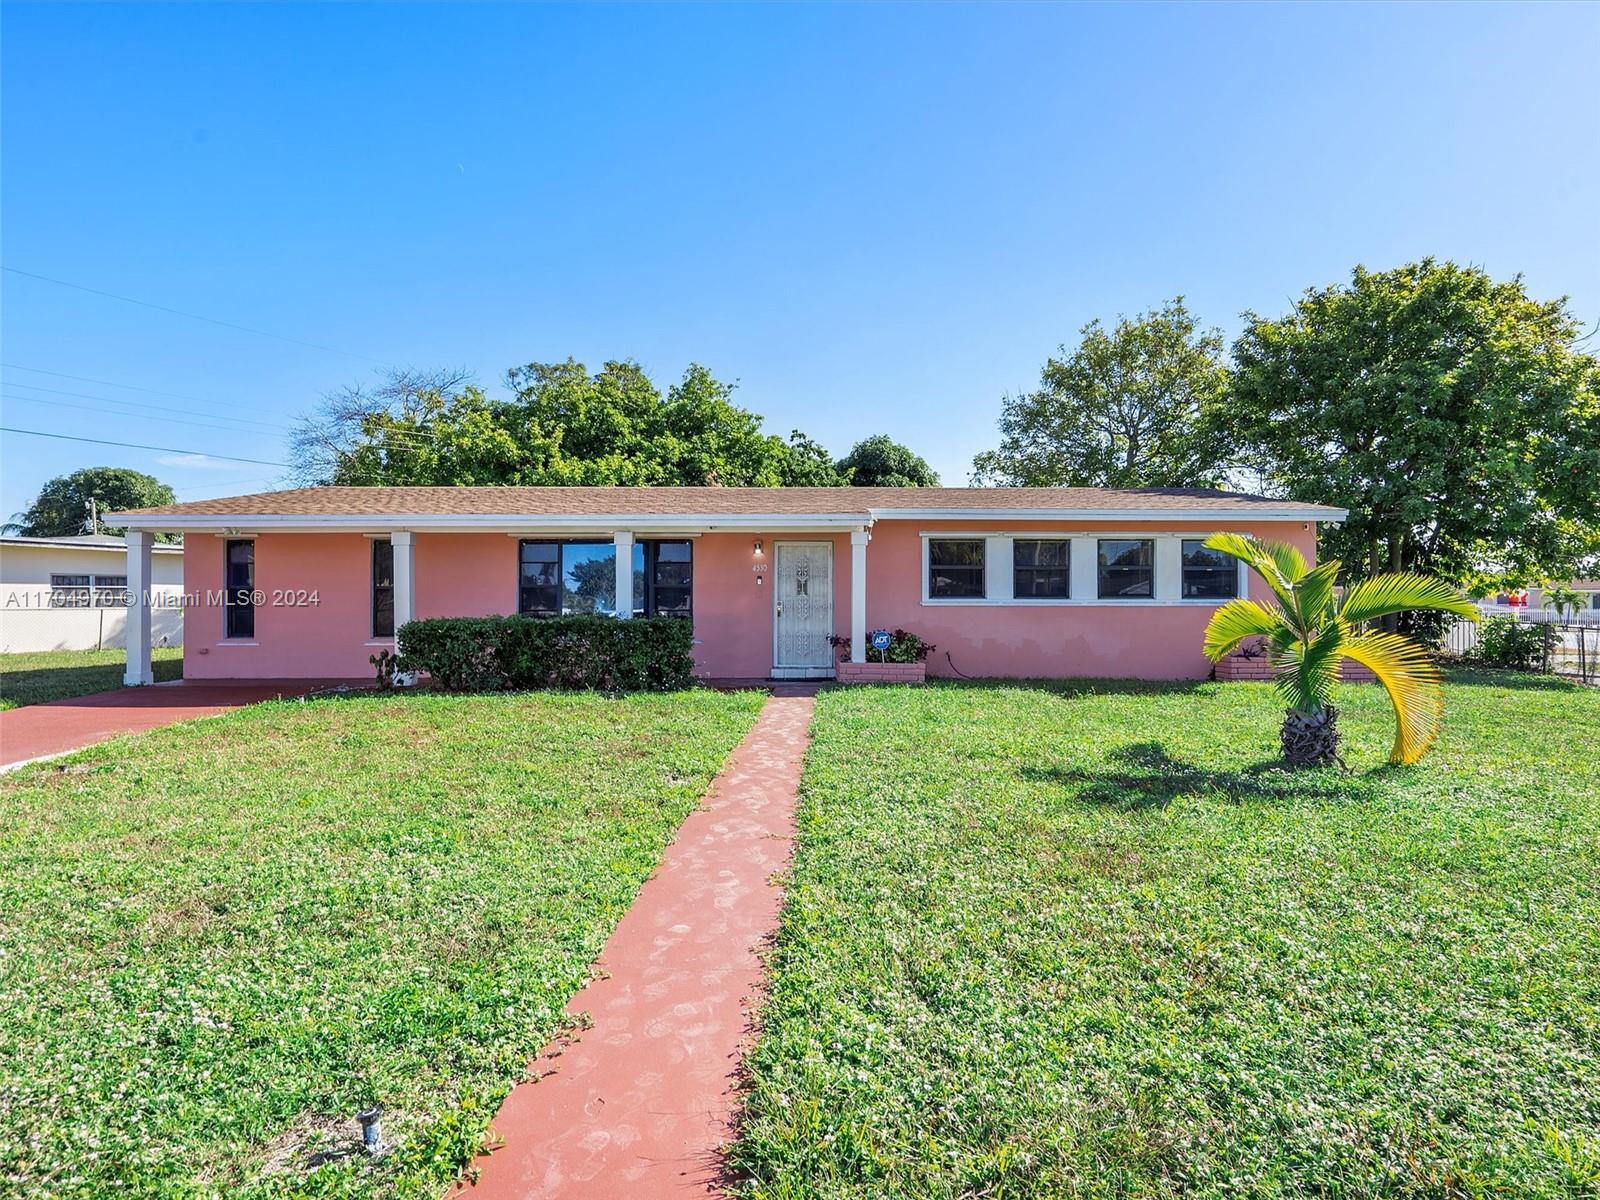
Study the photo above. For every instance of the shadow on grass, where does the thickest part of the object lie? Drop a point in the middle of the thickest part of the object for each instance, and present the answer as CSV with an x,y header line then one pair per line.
x,y
1154,779
40,685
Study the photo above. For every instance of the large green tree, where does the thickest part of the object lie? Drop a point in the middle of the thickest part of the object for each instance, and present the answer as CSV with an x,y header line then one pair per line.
x,y
1128,407
880,461
62,508
566,426
562,426
1454,415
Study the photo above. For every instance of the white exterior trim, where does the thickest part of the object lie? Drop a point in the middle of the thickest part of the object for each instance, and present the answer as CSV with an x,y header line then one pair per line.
x,y
531,523
1083,574
139,672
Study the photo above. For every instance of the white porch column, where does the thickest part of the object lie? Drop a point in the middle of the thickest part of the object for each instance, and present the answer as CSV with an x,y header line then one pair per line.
x,y
624,540
138,673
405,587
858,595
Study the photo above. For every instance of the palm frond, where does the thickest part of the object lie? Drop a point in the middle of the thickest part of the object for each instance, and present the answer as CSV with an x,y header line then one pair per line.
x,y
1237,620
1408,674
1381,595
1279,564
1313,596
1304,672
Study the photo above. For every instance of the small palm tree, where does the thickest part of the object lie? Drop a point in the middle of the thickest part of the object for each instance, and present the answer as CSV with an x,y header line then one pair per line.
x,y
1310,630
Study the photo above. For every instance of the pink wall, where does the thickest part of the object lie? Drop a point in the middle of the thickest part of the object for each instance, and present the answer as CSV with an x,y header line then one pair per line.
x,y
1114,639
476,575
733,613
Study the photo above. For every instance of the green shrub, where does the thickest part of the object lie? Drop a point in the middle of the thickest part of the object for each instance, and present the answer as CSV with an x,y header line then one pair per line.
x,y
588,653
1507,642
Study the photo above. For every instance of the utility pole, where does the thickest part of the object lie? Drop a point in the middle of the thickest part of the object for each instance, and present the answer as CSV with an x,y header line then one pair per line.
x,y
94,514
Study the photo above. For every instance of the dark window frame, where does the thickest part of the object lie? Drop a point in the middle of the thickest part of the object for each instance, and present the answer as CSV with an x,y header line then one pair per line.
x,y
1034,571
647,598
70,590
1228,569
1106,572
382,592
238,600
954,571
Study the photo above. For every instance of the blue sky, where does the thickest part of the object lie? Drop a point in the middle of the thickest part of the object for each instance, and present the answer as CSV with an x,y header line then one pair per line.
x,y
877,219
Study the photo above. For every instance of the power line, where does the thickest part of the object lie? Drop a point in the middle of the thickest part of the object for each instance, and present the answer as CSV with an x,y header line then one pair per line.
x,y
161,408
67,437
178,312
132,387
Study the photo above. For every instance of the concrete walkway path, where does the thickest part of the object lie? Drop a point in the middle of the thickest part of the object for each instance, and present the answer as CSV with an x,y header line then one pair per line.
x,y
637,1106
61,726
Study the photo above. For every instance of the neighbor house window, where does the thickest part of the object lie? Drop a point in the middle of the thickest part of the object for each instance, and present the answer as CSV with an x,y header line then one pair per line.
x,y
955,568
239,585
111,591
69,591
1039,568
568,578
1208,574
1127,569
382,588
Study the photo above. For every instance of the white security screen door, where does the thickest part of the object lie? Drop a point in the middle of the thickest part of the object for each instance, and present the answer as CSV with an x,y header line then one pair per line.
x,y
802,607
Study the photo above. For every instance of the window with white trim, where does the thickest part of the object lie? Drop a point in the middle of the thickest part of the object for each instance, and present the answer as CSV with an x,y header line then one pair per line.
x,y
1041,568
955,568
382,588
69,591
239,589
1127,568
1208,574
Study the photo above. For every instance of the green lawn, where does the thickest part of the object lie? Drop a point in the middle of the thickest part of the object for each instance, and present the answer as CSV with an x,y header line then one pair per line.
x,y
59,674
1084,941
221,940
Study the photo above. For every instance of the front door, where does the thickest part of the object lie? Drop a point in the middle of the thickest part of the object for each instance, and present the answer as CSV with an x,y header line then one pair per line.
x,y
802,610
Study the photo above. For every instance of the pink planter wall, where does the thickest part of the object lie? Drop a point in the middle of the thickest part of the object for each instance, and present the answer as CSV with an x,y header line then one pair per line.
x,y
872,672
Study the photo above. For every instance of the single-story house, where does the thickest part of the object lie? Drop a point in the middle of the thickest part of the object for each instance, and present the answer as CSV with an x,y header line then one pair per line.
x,y
71,593
1020,582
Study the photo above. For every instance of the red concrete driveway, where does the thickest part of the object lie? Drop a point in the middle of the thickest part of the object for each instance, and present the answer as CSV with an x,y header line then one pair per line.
x,y
45,730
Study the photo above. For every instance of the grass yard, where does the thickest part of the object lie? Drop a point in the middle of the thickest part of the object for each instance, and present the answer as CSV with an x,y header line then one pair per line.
x,y
1083,941
59,674
221,940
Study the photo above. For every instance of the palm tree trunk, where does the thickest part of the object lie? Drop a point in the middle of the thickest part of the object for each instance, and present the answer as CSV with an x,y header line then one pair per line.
x,y
1311,739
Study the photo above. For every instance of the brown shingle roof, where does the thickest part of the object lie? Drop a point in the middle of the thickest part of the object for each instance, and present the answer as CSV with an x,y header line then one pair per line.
x,y
717,501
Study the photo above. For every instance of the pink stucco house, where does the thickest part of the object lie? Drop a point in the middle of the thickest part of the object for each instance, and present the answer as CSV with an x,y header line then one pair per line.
x,y
1005,581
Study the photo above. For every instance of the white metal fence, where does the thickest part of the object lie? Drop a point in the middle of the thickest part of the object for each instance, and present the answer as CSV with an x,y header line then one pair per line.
x,y
1570,644
103,628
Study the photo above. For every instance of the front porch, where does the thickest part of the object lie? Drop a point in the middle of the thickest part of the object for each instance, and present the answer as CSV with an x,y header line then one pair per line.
x,y
285,600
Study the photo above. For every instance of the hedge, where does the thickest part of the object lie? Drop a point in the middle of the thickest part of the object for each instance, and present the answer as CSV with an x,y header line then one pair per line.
x,y
486,654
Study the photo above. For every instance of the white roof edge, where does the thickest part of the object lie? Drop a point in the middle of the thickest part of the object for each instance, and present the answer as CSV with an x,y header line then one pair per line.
x,y
1311,512
495,522
93,547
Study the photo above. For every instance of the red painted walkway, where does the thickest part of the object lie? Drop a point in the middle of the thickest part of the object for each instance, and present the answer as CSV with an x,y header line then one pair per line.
x,y
44,730
638,1106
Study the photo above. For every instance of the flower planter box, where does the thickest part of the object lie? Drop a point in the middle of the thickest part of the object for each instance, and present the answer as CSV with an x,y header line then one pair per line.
x,y
1238,669
872,672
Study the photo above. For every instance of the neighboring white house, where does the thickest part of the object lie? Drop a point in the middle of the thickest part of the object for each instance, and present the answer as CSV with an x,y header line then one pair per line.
x,y
70,593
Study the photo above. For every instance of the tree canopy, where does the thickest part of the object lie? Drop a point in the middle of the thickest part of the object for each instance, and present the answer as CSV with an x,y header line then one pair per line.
x,y
62,506
1129,407
880,461
566,426
1453,415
